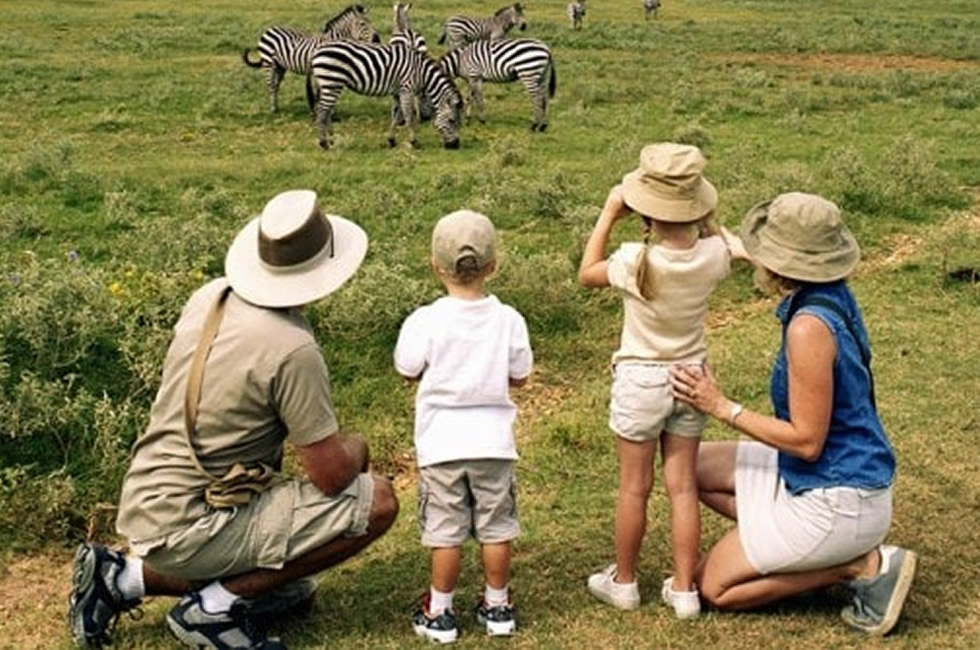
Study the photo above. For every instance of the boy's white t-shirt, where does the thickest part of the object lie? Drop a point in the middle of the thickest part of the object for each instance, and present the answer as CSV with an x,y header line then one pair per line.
x,y
467,351
670,327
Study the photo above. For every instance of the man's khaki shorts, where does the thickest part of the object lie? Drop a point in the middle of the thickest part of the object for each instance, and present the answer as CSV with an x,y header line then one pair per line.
x,y
283,523
466,498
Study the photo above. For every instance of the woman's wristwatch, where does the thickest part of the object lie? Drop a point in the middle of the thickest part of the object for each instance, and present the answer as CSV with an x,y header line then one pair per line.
x,y
735,412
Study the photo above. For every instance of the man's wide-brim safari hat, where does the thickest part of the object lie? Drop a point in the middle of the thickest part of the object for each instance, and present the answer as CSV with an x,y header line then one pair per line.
x,y
668,185
802,237
293,254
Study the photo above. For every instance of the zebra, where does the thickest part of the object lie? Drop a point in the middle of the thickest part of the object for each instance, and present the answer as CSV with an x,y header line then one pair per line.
x,y
576,12
460,30
526,59
283,48
401,28
380,70
650,6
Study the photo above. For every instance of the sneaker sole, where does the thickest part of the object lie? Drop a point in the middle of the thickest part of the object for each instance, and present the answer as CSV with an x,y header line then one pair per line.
x,y
505,628
436,636
83,581
190,639
894,610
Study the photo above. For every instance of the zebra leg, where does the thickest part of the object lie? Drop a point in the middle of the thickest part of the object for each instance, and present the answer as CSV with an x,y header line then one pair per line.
x,y
409,103
324,122
276,73
476,98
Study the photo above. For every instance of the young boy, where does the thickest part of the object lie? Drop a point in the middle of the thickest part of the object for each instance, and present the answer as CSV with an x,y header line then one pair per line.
x,y
466,349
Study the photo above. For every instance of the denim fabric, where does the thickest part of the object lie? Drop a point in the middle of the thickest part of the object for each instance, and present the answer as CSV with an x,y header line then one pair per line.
x,y
857,452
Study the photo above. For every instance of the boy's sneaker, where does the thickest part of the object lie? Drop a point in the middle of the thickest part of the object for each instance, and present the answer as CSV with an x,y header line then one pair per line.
x,y
438,629
686,604
95,602
603,586
500,620
229,630
878,601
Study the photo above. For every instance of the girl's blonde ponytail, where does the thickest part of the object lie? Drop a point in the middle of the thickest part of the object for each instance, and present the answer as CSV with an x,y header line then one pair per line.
x,y
645,275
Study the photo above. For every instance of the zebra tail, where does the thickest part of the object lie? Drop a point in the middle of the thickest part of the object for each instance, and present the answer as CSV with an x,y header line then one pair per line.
x,y
249,63
553,81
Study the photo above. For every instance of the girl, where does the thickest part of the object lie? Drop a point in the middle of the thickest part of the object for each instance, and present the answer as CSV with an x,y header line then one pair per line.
x,y
665,287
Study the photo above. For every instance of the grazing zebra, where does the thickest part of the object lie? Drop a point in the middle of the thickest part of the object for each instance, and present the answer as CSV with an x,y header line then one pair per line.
x,y
381,70
650,6
460,30
284,48
576,12
524,59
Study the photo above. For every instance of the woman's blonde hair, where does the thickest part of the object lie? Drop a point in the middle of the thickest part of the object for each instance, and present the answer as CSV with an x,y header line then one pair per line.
x,y
646,280
773,283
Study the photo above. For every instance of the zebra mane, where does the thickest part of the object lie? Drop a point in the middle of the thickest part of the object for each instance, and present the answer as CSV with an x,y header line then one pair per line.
x,y
516,7
359,9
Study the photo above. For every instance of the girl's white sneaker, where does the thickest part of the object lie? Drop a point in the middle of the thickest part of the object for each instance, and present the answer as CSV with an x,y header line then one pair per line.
x,y
686,604
620,595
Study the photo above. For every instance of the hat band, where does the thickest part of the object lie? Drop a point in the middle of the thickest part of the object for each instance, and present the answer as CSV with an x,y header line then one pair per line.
x,y
299,246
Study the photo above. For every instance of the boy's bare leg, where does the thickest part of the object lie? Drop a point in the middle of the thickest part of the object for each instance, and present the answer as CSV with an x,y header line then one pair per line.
x,y
446,564
496,564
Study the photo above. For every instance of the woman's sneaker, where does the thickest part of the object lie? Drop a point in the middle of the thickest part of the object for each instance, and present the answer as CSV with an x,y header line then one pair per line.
x,y
234,629
603,586
440,628
95,602
686,604
500,620
878,601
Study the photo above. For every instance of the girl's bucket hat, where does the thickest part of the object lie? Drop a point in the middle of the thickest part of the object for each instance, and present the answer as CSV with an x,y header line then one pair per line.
x,y
668,184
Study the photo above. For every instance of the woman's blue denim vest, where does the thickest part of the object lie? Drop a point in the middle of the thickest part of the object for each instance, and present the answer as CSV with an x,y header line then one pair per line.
x,y
857,452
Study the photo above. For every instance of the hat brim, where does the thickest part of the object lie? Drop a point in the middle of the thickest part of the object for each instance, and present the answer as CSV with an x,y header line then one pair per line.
x,y
641,199
260,285
804,266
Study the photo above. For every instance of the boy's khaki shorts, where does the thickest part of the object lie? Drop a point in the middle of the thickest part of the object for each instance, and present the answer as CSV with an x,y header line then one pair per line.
x,y
467,498
642,405
283,523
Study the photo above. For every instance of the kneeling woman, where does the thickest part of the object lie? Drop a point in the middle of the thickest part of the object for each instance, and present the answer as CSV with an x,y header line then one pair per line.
x,y
812,493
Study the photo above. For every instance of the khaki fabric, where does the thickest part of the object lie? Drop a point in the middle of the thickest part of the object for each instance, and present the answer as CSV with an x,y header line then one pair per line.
x,y
265,382
285,522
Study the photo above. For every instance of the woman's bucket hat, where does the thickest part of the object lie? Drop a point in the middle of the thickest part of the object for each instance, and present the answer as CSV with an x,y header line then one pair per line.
x,y
668,184
802,237
292,254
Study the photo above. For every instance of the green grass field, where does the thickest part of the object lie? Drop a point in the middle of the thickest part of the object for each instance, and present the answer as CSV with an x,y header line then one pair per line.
x,y
134,143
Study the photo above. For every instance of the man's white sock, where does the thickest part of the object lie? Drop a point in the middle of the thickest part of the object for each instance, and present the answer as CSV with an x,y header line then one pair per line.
x,y
439,601
215,599
130,579
496,597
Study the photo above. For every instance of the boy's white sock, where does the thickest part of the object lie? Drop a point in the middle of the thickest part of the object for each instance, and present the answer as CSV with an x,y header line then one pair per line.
x,y
496,597
130,579
439,601
215,599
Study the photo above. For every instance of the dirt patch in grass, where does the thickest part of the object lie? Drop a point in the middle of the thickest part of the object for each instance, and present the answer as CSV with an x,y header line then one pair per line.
x,y
33,598
852,62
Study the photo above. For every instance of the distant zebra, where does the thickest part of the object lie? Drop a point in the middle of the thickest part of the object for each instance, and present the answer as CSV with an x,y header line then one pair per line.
x,y
284,48
650,6
381,70
524,59
460,30
576,12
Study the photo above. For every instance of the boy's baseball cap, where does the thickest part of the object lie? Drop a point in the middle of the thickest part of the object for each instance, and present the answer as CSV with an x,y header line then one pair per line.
x,y
462,233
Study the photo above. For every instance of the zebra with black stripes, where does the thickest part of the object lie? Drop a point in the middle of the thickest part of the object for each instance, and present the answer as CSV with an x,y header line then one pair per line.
x,y
576,12
402,32
651,7
524,59
460,30
384,70
284,48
